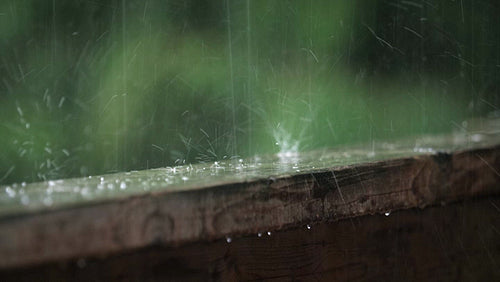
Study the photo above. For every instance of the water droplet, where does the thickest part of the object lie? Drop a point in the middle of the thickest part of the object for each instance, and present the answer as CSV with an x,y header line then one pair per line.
x,y
123,185
102,179
268,233
51,183
229,240
387,213
308,227
47,201
476,138
11,192
185,178
85,192
81,263
19,110
23,184
259,234
25,200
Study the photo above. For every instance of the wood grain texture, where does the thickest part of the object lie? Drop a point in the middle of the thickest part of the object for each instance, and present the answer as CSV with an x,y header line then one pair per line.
x,y
455,242
183,217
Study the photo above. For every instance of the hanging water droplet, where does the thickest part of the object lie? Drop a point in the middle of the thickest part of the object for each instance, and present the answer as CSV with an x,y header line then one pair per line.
x,y
268,233
229,240
259,234
387,213
123,185
308,227
81,263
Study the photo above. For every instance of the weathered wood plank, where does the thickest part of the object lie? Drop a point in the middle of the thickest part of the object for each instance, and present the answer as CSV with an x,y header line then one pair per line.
x,y
456,242
247,208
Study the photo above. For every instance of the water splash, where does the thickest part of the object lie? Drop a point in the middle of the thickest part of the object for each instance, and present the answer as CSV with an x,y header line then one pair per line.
x,y
287,145
56,193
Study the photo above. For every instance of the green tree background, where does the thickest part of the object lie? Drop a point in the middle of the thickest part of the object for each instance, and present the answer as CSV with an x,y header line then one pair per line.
x,y
92,87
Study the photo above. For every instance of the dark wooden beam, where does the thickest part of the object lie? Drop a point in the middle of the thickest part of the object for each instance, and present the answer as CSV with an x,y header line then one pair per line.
x,y
455,242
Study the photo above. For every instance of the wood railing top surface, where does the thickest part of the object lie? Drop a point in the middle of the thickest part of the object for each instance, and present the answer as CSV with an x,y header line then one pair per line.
x,y
22,198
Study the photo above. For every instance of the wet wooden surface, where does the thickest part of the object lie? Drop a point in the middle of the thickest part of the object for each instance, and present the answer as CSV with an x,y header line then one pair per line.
x,y
191,219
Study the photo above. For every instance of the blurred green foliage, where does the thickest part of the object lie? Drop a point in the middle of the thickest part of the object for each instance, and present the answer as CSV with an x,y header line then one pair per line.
x,y
91,87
